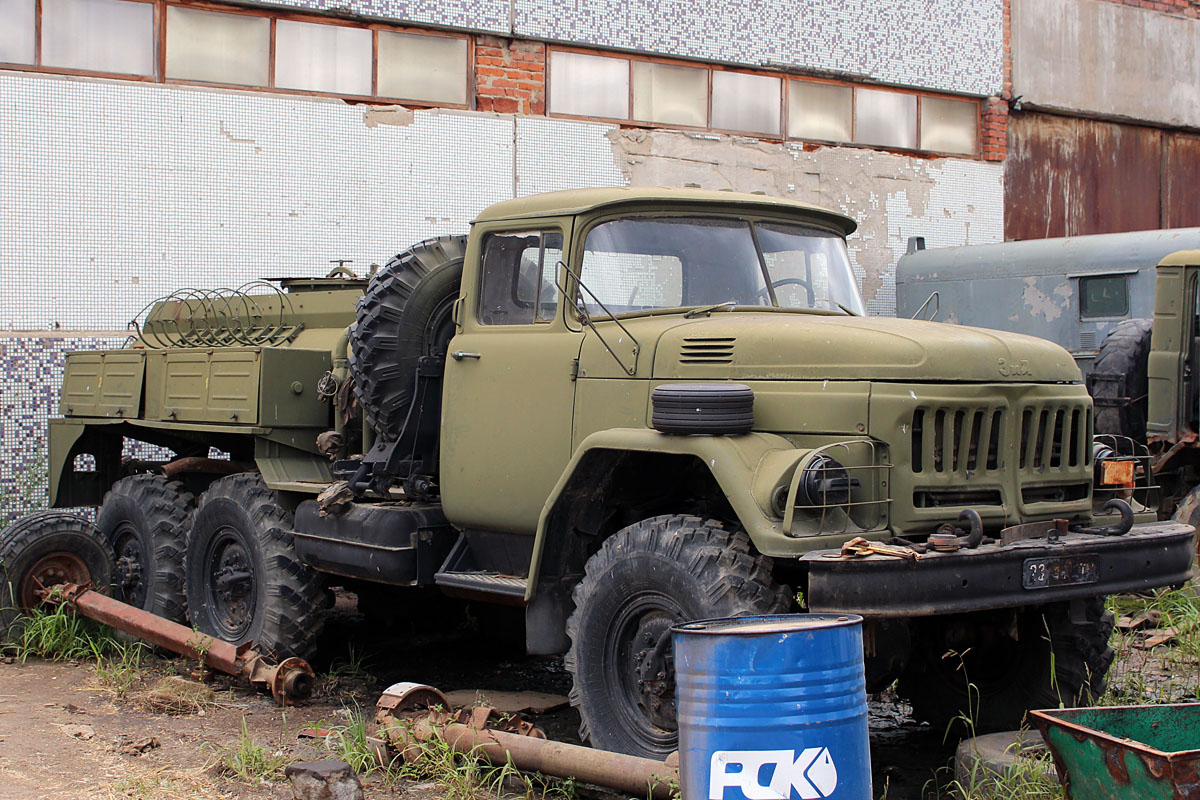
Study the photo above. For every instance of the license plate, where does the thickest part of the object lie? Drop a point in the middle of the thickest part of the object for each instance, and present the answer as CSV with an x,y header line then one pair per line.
x,y
1042,573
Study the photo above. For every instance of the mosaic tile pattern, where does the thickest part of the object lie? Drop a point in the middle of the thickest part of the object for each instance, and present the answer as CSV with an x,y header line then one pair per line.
x,y
32,371
934,44
191,188
481,15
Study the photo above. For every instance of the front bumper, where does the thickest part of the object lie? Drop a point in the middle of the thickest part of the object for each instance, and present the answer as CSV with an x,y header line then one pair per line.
x,y
995,576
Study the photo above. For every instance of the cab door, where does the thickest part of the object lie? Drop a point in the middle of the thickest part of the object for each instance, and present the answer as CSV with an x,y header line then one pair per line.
x,y
510,382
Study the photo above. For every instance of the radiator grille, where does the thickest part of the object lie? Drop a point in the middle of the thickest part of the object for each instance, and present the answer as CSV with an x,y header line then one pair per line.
x,y
971,439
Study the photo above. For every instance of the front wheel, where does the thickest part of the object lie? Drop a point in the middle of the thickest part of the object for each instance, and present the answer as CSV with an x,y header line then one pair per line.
x,y
980,673
644,580
245,582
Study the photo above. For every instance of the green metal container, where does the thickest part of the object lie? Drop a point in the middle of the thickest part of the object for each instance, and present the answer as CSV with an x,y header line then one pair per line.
x,y
1144,752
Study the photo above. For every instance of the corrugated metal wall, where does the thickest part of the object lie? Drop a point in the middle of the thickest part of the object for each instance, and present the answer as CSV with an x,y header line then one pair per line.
x,y
1069,176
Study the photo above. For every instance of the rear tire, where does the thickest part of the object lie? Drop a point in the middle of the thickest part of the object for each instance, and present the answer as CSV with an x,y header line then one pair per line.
x,y
963,668
1125,351
46,549
144,519
245,582
645,579
404,315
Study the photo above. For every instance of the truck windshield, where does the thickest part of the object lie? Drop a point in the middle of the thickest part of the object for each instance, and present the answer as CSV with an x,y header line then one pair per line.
x,y
643,263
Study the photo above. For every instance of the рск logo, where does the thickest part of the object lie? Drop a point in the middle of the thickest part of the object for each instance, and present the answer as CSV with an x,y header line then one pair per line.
x,y
811,774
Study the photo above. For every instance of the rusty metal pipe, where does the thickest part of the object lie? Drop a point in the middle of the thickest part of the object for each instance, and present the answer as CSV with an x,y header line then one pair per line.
x,y
289,682
637,776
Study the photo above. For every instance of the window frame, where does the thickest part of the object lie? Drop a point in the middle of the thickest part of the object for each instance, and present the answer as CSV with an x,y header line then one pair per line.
x,y
785,77
579,245
159,59
538,322
1083,315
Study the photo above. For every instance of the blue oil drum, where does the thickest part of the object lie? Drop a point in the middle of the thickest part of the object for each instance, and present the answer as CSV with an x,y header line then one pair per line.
x,y
772,707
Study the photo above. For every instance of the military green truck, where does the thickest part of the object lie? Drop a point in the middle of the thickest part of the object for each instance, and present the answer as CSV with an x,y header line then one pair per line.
x,y
1146,384
615,409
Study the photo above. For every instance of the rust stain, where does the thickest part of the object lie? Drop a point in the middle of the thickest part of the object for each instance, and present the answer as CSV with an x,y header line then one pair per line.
x,y
1115,761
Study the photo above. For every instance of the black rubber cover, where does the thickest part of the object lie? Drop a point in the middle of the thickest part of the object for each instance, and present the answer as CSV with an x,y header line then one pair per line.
x,y
712,408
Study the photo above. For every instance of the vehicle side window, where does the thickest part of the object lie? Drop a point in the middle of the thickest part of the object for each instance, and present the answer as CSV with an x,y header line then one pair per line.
x,y
1104,296
519,277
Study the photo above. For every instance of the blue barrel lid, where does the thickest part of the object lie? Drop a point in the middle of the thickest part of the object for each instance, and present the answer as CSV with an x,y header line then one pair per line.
x,y
767,624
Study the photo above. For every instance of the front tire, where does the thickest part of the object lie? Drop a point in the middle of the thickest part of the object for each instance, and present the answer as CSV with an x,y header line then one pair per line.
x,y
144,519
645,579
245,581
969,674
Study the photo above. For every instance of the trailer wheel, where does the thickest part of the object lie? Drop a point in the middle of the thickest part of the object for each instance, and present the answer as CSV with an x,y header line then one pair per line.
x,y
144,519
645,579
969,673
245,582
404,315
44,550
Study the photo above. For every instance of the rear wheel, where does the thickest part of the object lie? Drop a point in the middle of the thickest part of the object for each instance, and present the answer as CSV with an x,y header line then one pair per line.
x,y
245,581
645,579
43,550
991,669
144,519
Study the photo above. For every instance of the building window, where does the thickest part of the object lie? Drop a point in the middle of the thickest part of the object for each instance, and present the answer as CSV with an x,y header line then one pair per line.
x,y
110,36
218,48
822,111
323,58
17,31
669,94
949,126
427,68
885,119
589,86
742,102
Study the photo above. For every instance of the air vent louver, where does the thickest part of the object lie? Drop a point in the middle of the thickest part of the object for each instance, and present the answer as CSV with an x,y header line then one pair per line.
x,y
707,350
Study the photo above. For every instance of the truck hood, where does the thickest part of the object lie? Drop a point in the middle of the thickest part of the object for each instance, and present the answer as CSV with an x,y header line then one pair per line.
x,y
781,346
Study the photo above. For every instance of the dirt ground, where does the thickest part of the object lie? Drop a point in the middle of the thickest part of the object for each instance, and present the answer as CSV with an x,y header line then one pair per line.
x,y
46,753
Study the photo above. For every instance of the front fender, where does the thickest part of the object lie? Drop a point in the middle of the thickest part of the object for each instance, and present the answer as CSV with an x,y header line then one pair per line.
x,y
746,467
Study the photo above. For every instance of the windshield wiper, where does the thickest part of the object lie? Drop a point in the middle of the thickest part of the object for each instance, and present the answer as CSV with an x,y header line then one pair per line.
x,y
843,308
695,312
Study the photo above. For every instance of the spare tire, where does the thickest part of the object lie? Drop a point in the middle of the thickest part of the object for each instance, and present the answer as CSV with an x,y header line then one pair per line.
x,y
404,315
1124,352
712,408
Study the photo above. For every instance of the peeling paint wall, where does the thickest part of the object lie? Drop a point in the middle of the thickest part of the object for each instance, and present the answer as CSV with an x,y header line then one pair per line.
x,y
948,201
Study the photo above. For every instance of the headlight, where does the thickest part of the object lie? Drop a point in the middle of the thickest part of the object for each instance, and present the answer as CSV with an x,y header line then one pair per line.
x,y
825,484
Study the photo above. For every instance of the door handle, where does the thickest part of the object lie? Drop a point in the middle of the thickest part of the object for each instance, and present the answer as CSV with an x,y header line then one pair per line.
x,y
459,355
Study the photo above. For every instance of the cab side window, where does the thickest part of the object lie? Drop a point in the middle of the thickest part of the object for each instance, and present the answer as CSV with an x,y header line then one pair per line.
x,y
519,277
1104,296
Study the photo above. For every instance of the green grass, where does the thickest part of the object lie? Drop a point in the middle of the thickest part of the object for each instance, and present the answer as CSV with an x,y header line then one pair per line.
x,y
249,761
60,635
1164,674
460,776
27,492
121,669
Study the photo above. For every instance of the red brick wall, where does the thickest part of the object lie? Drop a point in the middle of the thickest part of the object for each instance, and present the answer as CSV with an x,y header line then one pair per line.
x,y
510,76
1183,8
993,118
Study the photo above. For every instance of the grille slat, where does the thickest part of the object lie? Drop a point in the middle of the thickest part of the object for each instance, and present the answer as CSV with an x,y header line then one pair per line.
x,y
971,439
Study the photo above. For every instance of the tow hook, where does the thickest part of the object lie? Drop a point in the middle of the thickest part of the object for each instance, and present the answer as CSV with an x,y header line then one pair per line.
x,y
947,538
1120,529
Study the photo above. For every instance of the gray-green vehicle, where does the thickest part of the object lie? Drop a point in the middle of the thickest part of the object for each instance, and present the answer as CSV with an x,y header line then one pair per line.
x,y
617,409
